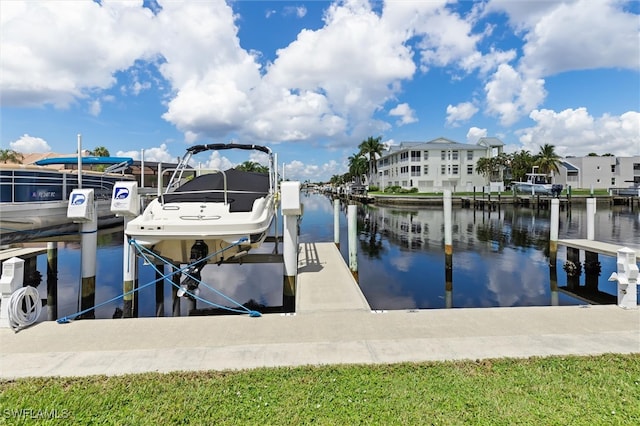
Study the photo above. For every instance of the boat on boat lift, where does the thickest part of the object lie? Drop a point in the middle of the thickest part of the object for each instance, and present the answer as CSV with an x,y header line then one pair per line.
x,y
210,217
537,184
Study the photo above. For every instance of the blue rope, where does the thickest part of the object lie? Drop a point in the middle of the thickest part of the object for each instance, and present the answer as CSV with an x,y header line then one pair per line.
x,y
254,314
142,249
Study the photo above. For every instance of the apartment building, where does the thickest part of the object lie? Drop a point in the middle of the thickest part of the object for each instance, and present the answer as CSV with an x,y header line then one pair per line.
x,y
599,172
436,165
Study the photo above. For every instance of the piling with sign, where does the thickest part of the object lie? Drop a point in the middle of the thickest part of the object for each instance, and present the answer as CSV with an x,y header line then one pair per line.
x,y
125,202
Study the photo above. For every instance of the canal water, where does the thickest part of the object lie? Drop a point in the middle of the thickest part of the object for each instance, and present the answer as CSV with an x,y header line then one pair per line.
x,y
500,259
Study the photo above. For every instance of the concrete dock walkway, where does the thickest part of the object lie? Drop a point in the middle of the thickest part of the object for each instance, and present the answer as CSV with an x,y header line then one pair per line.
x,y
346,332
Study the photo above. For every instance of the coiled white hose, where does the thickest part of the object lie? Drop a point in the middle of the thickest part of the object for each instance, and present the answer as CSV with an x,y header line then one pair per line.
x,y
24,307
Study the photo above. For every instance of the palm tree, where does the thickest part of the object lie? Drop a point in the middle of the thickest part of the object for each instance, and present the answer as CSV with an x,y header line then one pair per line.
x,y
10,155
547,160
520,163
357,166
252,166
371,148
100,151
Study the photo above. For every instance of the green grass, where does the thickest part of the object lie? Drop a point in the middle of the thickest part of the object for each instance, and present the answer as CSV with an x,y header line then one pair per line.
x,y
537,391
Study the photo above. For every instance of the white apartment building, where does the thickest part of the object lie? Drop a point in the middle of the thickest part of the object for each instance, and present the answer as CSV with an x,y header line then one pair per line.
x,y
599,172
436,165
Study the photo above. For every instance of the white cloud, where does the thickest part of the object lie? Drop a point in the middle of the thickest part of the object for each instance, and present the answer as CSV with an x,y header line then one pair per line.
x,y
475,133
160,154
26,144
406,114
96,39
461,112
510,95
95,107
576,132
297,170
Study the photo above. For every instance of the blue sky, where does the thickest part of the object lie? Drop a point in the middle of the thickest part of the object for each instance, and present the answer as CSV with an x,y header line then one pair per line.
x,y
312,79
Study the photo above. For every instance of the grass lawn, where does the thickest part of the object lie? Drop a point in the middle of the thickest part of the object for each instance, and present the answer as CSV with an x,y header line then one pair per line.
x,y
599,390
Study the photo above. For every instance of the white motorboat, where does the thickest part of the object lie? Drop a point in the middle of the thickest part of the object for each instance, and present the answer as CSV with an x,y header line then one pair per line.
x,y
538,184
212,217
34,198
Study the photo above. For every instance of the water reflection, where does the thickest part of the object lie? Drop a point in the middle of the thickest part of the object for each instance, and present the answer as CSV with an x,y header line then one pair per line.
x,y
500,258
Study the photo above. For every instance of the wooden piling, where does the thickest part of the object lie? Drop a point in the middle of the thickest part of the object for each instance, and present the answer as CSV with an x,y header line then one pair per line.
x,y
591,216
336,222
448,248
159,290
553,234
352,223
52,281
88,256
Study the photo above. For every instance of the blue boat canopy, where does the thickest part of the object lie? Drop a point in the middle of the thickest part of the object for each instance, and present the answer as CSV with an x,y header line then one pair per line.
x,y
85,160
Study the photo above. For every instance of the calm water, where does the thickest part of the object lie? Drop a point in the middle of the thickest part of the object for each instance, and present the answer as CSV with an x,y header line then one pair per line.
x,y
500,259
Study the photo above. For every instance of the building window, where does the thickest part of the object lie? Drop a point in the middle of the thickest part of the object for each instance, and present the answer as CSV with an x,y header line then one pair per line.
x,y
404,156
455,169
425,170
454,155
469,155
613,181
470,169
404,183
613,168
425,155
415,170
443,155
404,169
415,155
443,169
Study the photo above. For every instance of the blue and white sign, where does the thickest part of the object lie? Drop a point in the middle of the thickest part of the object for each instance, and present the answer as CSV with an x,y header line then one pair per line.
x,y
81,205
124,199
78,199
120,193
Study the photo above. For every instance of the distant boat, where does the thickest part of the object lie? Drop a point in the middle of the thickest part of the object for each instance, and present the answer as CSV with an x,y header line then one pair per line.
x,y
537,184
630,191
34,198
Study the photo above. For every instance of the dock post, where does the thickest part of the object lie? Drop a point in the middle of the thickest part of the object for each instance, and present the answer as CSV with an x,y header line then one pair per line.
x,y
591,217
159,290
175,307
291,210
553,234
352,227
336,222
448,248
125,202
82,209
52,281
128,276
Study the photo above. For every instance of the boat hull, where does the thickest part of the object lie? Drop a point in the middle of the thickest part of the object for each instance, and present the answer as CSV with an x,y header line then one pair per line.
x,y
170,230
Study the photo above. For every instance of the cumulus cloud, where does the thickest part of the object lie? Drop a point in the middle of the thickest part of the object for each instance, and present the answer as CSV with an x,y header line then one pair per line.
x,y
474,134
576,132
27,144
461,112
160,154
406,114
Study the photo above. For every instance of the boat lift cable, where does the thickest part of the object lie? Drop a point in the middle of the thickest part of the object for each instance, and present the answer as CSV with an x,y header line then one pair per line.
x,y
251,313
142,250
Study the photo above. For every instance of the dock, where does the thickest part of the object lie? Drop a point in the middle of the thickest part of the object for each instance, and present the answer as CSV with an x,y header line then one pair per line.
x,y
598,247
333,324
